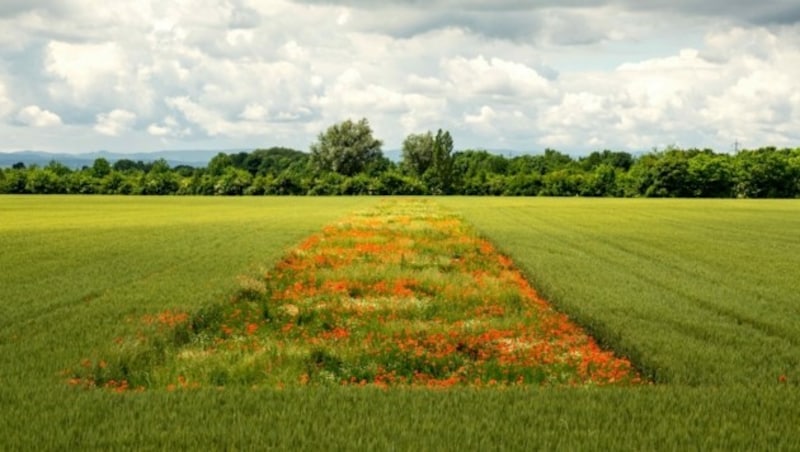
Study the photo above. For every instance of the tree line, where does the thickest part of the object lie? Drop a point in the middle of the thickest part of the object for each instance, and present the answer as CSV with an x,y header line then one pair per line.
x,y
347,159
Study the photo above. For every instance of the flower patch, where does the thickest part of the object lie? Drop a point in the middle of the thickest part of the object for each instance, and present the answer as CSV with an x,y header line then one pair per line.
x,y
404,294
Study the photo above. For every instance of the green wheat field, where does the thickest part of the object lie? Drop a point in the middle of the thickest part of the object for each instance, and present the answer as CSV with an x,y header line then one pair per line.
x,y
701,295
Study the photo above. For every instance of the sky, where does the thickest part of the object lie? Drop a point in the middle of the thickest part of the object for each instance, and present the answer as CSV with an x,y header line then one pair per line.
x,y
573,75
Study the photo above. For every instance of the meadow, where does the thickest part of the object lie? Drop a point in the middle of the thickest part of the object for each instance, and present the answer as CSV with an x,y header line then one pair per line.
x,y
700,295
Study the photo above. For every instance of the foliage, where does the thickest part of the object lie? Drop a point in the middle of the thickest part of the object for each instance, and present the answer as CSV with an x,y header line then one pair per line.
x,y
347,148
418,153
275,161
347,159
430,159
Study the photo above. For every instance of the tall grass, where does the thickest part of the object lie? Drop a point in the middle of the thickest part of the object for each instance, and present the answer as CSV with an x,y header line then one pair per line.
x,y
697,292
400,294
77,273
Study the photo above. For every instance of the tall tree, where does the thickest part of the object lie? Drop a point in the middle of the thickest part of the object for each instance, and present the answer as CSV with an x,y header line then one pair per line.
x,y
101,168
219,163
430,158
346,148
439,175
418,153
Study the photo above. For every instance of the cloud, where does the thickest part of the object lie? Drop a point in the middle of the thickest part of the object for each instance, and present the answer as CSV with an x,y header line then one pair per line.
x,y
211,121
85,74
115,122
82,64
12,8
762,12
34,116
554,22
687,98
483,119
422,112
352,95
494,77
6,104
169,127
520,74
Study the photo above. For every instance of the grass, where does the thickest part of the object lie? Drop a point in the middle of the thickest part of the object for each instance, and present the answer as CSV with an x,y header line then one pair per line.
x,y
402,294
699,293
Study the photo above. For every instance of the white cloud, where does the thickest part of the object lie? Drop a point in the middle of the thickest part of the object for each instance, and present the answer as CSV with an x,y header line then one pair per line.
x,y
158,130
212,122
169,128
83,67
294,51
34,116
343,17
507,73
6,104
494,77
254,112
484,118
423,113
115,122
354,96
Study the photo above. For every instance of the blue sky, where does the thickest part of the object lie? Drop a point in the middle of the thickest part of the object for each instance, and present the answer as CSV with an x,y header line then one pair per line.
x,y
578,75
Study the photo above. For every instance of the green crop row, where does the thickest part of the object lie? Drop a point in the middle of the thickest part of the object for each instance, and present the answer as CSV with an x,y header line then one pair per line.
x,y
700,294
696,292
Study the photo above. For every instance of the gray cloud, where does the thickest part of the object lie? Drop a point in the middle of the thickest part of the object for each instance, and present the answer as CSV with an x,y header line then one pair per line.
x,y
12,8
513,74
746,11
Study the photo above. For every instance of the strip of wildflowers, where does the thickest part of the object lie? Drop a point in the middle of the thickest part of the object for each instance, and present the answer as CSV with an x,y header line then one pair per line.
x,y
403,294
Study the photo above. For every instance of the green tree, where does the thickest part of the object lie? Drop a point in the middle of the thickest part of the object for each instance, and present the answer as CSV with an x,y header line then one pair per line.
x,y
794,167
82,183
101,168
711,175
184,170
275,160
523,184
602,182
327,184
116,183
286,184
621,160
44,181
347,148
58,168
553,160
765,173
395,182
233,181
160,180
438,177
16,181
471,168
418,153
238,160
126,165
662,175
219,163
563,182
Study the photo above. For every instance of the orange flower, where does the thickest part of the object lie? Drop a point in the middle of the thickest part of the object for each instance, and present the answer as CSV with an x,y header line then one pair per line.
x,y
410,288
252,328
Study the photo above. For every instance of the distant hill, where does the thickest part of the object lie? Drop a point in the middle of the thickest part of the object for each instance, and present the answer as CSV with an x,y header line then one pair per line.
x,y
196,158
396,155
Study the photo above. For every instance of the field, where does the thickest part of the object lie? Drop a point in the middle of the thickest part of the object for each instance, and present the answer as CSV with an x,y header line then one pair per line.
x,y
700,295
